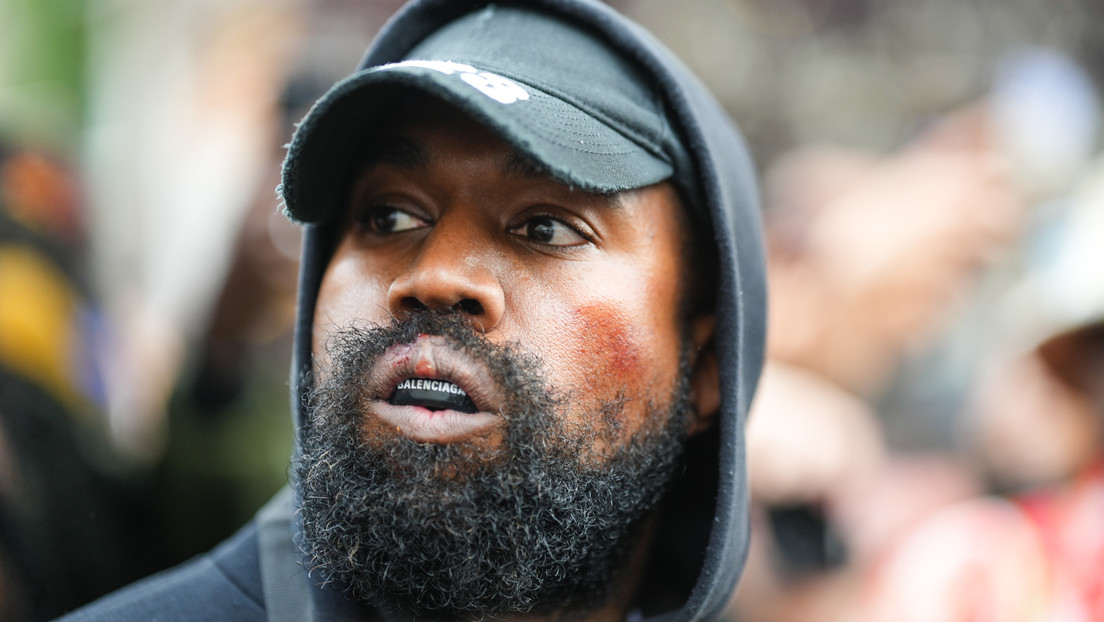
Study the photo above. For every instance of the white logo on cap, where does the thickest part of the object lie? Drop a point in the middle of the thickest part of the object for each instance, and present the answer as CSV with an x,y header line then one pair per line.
x,y
495,86
498,88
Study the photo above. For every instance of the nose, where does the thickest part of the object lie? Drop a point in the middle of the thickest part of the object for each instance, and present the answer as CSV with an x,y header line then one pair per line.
x,y
451,271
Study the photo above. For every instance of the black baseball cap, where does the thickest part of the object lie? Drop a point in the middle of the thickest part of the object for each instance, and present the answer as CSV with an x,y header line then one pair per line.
x,y
553,90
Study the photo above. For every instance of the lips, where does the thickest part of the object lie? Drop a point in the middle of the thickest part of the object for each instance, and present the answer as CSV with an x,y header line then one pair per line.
x,y
432,392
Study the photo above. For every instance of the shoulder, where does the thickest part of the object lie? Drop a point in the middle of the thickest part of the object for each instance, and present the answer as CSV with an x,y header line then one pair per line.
x,y
224,584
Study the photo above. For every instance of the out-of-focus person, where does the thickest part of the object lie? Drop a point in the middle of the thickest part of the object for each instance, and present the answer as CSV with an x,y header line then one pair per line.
x,y
890,252
1036,553
885,250
63,537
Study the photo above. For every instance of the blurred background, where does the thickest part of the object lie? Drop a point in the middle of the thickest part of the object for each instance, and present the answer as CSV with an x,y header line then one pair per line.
x,y
928,440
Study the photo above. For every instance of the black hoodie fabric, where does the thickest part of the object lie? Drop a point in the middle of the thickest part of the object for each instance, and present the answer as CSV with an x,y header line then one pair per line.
x,y
702,539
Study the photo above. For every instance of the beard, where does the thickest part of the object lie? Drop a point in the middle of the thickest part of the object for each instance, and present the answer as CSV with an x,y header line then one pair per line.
x,y
543,523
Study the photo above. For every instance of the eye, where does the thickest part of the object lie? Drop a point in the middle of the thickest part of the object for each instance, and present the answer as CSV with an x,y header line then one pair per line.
x,y
550,231
384,219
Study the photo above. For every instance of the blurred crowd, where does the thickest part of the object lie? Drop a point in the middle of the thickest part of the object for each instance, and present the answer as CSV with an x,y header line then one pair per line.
x,y
927,443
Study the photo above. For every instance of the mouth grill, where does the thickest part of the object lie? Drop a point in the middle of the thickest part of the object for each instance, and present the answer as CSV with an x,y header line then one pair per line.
x,y
433,394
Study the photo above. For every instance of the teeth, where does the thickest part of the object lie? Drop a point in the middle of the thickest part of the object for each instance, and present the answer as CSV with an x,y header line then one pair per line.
x,y
432,394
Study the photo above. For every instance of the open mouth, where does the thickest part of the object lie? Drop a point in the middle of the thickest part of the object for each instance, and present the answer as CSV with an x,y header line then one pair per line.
x,y
432,394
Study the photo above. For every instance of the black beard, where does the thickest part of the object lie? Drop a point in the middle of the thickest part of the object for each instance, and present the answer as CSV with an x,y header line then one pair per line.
x,y
544,524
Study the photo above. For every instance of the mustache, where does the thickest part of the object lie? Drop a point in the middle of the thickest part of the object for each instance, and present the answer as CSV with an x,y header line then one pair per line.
x,y
357,345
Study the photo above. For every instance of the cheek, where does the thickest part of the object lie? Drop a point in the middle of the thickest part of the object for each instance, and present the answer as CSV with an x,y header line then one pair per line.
x,y
349,294
609,341
610,344
612,350
610,328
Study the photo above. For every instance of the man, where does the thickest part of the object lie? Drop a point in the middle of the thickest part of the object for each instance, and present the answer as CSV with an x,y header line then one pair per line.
x,y
531,320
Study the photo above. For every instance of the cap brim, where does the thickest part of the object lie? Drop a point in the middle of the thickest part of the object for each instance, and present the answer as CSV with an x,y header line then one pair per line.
x,y
573,146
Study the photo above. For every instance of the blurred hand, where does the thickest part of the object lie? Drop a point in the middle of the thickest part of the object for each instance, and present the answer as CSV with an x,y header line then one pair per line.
x,y
887,248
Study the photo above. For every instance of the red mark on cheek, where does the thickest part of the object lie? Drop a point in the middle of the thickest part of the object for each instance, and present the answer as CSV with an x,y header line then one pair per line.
x,y
608,340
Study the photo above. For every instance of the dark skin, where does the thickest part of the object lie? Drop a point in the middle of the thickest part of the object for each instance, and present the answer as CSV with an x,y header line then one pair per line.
x,y
452,217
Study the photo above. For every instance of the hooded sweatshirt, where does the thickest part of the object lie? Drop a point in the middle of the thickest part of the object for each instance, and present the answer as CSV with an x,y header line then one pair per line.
x,y
701,540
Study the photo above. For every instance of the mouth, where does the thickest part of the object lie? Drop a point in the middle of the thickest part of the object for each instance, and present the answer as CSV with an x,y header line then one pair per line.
x,y
432,392
433,395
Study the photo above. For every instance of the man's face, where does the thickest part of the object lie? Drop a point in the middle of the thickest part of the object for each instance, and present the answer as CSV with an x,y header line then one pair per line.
x,y
447,216
503,379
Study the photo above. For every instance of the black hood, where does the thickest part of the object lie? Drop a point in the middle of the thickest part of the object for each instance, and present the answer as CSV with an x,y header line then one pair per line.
x,y
703,536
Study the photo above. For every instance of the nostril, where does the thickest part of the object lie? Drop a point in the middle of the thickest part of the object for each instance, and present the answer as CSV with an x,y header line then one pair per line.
x,y
470,306
410,303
